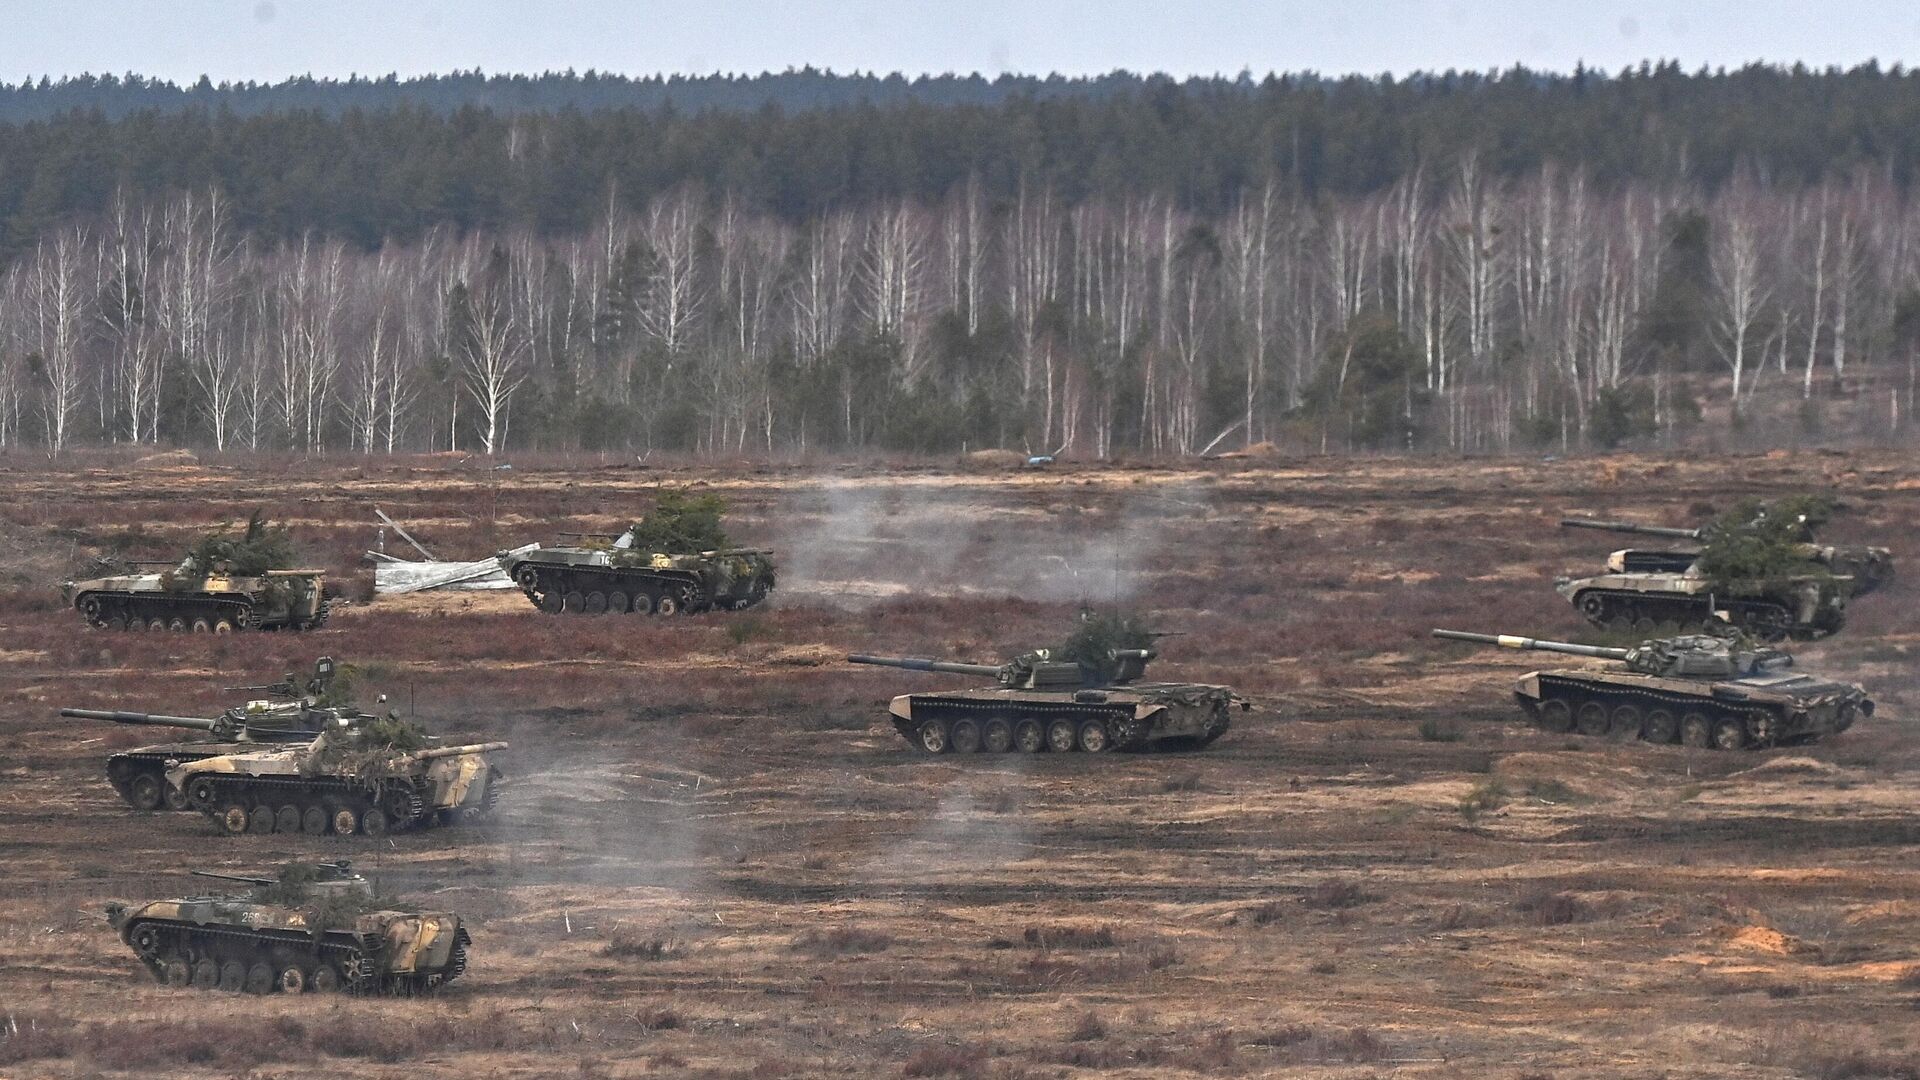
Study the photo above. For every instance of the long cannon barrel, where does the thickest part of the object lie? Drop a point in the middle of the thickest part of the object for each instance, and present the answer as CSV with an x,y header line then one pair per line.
x,y
456,751
1508,641
915,663
198,723
233,877
1630,527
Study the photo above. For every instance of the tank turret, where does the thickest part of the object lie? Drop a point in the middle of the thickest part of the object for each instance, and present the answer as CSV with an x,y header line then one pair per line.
x,y
1036,670
1698,690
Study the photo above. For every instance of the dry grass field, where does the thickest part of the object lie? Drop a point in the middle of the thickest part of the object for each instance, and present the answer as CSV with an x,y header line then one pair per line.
x,y
717,859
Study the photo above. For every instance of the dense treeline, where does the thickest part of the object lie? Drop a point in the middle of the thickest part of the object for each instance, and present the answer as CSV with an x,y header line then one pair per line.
x,y
1118,265
374,160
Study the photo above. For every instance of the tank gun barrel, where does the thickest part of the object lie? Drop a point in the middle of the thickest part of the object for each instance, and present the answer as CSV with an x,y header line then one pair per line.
x,y
198,723
1509,641
915,663
242,878
1630,527
455,751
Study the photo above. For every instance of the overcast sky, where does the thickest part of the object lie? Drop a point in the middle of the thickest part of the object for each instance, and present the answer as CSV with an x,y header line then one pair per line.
x,y
272,39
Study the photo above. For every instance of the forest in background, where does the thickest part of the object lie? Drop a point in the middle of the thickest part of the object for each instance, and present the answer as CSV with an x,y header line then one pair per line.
x,y
802,261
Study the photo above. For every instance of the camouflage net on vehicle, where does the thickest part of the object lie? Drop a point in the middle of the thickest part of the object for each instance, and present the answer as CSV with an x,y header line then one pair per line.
x,y
372,753
325,909
254,551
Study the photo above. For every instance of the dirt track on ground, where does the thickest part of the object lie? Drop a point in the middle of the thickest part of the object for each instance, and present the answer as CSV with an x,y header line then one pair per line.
x,y
1307,897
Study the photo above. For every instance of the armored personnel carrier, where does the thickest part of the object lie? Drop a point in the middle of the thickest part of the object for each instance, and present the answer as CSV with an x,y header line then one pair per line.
x,y
1698,691
292,713
1043,703
675,560
225,583
316,927
369,775
1803,606
612,578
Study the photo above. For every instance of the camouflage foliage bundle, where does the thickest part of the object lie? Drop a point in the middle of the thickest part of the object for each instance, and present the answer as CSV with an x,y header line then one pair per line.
x,y
1757,541
681,524
1093,642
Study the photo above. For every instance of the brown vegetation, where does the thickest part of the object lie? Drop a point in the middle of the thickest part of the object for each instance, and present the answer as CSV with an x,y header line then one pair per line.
x,y
713,862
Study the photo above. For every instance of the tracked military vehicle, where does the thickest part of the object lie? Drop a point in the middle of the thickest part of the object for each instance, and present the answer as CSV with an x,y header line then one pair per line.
x,y
316,927
600,578
291,713
367,775
675,560
1698,691
224,584
1802,607
1047,704
1868,568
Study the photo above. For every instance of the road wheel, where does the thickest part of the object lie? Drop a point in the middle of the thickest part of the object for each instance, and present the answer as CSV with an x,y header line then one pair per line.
x,y
144,792
551,602
1030,736
206,975
373,821
966,737
326,979
260,819
1591,718
1729,733
177,625
233,818
260,979
667,605
1061,736
998,736
313,821
176,973
293,980
222,627
1644,626
574,602
175,798
1556,716
286,819
201,626
1696,731
156,626
933,737
642,604
344,821
596,603
1661,727
618,603
1625,722
118,621
1093,737
233,976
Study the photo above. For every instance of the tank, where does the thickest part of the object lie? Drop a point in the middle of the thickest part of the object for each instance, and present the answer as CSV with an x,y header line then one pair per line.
x,y
291,713
1802,607
1867,568
366,775
1695,690
1045,704
316,927
217,602
606,574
